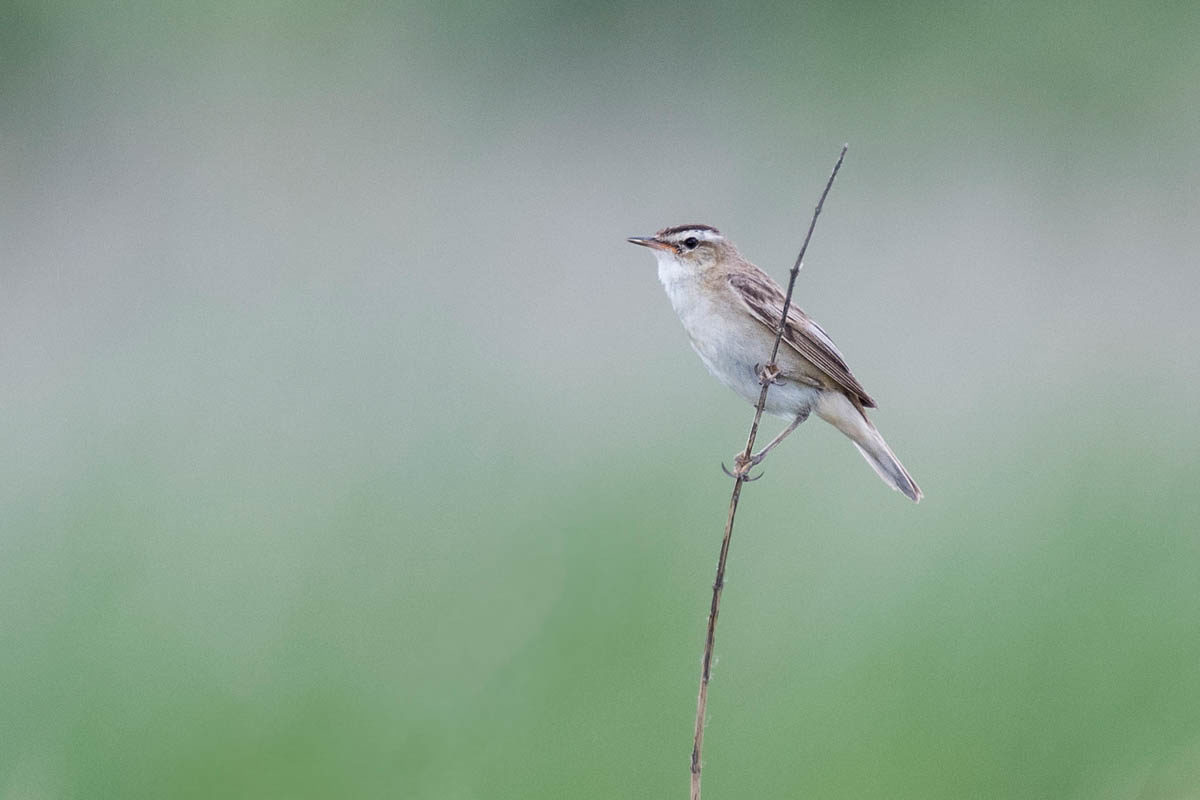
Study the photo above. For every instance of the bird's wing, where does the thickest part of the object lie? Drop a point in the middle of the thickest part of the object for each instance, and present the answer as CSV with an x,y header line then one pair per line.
x,y
764,300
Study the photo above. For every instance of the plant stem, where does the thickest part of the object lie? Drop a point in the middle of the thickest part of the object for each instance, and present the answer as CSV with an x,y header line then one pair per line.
x,y
740,478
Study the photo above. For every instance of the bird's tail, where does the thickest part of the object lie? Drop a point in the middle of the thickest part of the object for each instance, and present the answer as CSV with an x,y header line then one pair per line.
x,y
836,409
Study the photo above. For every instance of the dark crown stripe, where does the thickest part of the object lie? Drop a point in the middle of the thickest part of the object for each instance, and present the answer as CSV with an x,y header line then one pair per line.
x,y
682,228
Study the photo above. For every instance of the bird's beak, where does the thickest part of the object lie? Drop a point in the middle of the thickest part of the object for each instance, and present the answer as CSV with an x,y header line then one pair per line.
x,y
649,241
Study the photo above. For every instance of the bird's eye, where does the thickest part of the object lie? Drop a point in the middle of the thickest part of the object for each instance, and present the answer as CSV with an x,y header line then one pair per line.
x,y
691,242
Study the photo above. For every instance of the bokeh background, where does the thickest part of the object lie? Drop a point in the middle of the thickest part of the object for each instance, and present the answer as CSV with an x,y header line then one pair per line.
x,y
349,450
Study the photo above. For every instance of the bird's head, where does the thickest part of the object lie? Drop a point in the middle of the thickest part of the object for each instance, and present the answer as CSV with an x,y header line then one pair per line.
x,y
689,249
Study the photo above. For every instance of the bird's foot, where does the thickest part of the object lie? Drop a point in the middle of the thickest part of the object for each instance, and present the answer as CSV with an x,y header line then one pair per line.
x,y
742,466
768,374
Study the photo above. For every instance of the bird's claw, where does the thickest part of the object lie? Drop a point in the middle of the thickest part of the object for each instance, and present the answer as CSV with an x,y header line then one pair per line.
x,y
767,374
741,469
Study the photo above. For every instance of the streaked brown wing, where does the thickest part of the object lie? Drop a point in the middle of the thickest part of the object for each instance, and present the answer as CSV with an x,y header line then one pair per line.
x,y
764,299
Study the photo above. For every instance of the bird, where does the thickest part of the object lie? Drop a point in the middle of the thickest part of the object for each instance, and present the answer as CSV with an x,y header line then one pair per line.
x,y
731,311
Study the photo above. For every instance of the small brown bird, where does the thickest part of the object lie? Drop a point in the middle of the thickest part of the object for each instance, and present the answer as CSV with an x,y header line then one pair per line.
x,y
730,310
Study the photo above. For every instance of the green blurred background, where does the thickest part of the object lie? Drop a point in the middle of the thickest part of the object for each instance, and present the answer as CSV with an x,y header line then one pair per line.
x,y
351,452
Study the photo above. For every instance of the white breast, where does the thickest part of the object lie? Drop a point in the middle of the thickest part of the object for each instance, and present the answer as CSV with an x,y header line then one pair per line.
x,y
732,346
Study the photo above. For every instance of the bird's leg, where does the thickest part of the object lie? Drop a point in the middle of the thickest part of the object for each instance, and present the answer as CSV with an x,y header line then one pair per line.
x,y
768,375
742,464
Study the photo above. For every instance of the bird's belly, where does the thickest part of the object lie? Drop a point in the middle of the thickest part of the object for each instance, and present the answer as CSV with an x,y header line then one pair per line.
x,y
733,347
737,364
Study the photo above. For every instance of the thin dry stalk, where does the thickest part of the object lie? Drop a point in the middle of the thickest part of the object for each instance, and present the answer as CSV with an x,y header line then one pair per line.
x,y
740,478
